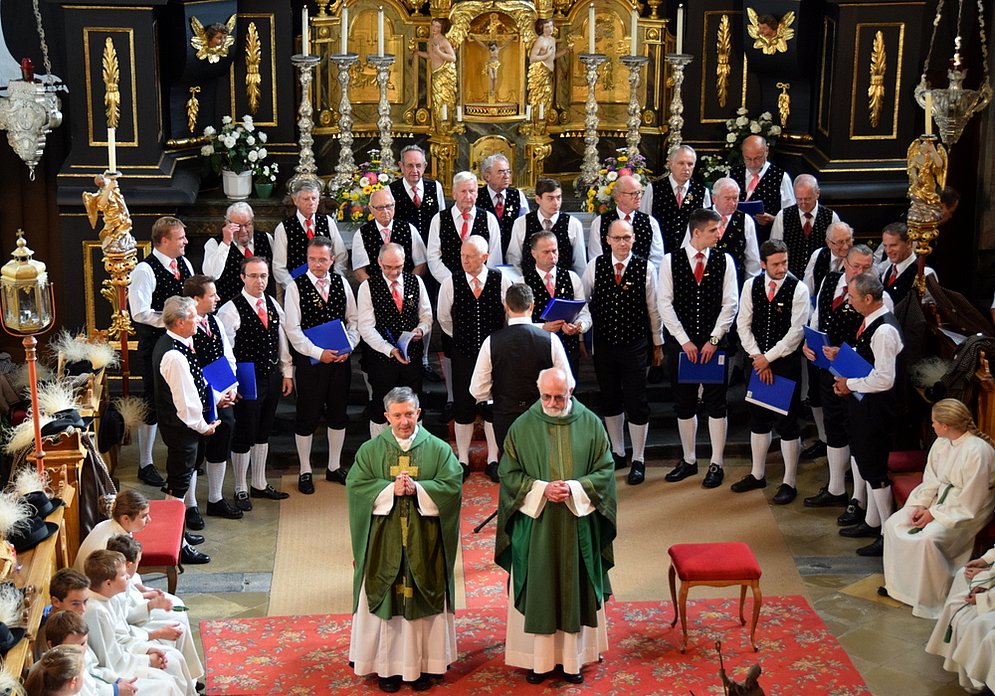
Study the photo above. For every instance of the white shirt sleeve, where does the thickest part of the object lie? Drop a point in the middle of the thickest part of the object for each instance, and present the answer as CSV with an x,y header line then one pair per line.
x,y
886,344
652,306
787,192
215,257
140,295
656,244
175,369
419,255
292,309
777,228
444,307
583,319
494,257
809,278
594,239
481,380
434,250
744,319
367,322
338,247
280,272
730,301
665,297
559,357
516,243
575,233
360,259
646,203
751,263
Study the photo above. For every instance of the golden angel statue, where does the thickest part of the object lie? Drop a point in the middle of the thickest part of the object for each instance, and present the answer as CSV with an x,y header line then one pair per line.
x,y
927,165
115,237
770,35
541,68
213,41
442,59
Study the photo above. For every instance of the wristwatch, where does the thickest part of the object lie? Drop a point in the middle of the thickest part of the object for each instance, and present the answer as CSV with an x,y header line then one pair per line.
x,y
714,340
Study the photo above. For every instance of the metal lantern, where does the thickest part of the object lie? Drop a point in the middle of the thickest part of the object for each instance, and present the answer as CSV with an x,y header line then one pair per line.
x,y
25,292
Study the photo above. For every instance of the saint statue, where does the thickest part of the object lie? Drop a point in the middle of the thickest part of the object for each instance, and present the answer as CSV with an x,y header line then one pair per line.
x,y
115,237
541,66
442,60
927,167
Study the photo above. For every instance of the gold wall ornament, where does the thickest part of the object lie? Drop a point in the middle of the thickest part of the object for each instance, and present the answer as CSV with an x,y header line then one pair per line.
x,y
784,103
112,76
875,92
213,41
193,109
253,56
723,50
770,34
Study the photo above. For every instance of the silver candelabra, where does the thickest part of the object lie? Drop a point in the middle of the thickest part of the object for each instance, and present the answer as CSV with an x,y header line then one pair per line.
x,y
635,65
383,65
306,168
677,62
347,164
589,168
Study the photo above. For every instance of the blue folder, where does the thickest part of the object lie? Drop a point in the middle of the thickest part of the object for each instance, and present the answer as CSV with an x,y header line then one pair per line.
x,y
752,208
849,365
712,372
331,336
816,340
299,271
219,375
403,342
775,397
561,308
212,410
246,373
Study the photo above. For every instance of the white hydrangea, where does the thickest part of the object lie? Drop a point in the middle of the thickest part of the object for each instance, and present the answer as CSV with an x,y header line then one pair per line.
x,y
742,121
209,131
754,127
730,137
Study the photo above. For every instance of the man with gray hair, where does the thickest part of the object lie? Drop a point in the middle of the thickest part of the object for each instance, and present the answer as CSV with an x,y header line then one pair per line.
x,y
417,197
450,228
239,240
292,235
737,233
675,197
499,197
803,225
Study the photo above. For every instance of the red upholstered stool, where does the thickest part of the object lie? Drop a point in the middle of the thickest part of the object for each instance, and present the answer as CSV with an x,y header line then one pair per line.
x,y
716,565
162,537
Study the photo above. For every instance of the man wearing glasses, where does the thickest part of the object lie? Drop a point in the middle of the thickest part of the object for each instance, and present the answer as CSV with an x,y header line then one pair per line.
x,y
384,228
223,260
803,226
761,180
507,203
648,242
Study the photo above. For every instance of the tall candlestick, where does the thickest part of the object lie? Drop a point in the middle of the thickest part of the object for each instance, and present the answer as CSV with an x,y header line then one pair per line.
x,y
305,33
380,31
929,112
680,28
590,28
345,29
111,150
634,49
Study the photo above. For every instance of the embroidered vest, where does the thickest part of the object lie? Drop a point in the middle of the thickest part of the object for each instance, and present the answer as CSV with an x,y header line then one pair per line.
x,y
314,310
771,319
253,342
733,242
404,208
698,305
166,286
800,249
229,284
164,406
512,208
768,190
450,241
619,310
840,325
389,322
474,319
673,220
400,233
564,288
297,238
641,229
902,285
209,348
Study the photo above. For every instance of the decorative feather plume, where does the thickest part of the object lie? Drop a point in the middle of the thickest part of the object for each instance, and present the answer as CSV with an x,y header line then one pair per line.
x,y
28,480
928,372
78,348
56,395
14,510
9,685
19,377
133,410
11,606
23,436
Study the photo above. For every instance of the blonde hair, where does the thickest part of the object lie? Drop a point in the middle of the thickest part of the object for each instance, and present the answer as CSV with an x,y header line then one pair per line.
x,y
57,667
958,416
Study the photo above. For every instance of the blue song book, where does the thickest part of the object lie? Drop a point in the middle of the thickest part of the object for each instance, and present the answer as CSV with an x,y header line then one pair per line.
x,y
816,341
403,342
219,375
561,308
246,373
299,271
752,208
212,410
849,365
712,372
331,335
775,397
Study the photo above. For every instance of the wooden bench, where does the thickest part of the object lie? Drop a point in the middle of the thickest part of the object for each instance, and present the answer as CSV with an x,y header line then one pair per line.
x,y
162,539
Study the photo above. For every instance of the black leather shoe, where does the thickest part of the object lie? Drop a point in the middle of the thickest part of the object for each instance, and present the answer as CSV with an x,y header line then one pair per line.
x,y
242,501
637,473
826,499
860,531
573,678
466,470
533,677
305,483
713,477
223,508
422,683
785,494
814,451
150,476
431,375
193,539
337,476
681,472
193,519
854,514
191,556
447,412
269,492
875,548
389,685
492,472
620,462
749,483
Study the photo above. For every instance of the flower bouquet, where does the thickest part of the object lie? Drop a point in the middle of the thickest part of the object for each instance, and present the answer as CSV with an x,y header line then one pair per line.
x,y
237,147
266,173
711,168
741,127
599,194
353,200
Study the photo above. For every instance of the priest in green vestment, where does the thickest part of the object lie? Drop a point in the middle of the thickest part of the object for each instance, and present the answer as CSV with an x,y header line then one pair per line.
x,y
556,523
404,492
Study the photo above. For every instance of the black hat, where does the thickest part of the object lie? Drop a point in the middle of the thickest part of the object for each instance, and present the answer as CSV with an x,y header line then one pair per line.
x,y
28,534
62,421
42,505
9,637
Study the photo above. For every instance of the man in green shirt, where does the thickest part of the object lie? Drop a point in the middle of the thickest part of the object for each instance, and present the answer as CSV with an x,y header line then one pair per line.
x,y
404,492
556,523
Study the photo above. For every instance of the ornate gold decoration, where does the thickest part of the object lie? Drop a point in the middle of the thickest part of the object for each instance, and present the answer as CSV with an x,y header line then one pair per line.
x,y
875,92
112,76
927,170
212,42
118,247
253,56
193,108
723,49
768,38
784,103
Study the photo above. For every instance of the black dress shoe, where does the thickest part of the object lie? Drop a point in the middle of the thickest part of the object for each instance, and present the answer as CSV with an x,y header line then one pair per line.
x,y
150,476
389,685
814,451
193,539
854,514
637,473
713,477
447,412
431,375
422,683
533,677
748,483
882,591
337,476
191,556
573,678
492,472
681,472
620,462
223,508
826,499
860,531
193,519
242,501
873,549
269,492
305,483
785,494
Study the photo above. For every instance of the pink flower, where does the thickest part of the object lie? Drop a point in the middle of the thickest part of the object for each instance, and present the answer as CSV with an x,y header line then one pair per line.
x,y
371,176
625,171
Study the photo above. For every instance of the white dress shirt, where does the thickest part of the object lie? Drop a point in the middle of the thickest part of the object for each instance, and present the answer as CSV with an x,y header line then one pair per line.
x,y
523,200
835,264
575,233
787,190
583,319
841,287
777,228
216,254
229,316
434,252
886,343
292,307
361,256
751,254
368,320
799,315
666,294
143,285
646,204
175,369
440,195
280,270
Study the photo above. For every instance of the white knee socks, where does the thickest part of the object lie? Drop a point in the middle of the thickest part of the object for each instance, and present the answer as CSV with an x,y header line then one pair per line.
x,y
615,425
303,443
146,438
717,434
464,435
258,465
376,429
759,445
492,446
216,481
240,463
839,460
687,428
790,451
637,434
859,485
820,422
335,439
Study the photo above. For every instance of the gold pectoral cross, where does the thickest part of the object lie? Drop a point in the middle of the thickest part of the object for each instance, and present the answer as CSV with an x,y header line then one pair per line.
x,y
404,464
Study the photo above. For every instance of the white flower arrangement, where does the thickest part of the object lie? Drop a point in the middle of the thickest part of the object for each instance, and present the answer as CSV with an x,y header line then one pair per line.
x,y
237,147
266,173
741,127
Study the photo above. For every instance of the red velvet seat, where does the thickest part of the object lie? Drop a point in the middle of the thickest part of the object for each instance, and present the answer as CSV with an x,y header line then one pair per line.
x,y
162,538
902,486
718,564
907,462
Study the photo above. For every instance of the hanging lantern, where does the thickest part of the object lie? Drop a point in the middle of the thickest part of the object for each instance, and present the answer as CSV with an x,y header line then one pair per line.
x,y
25,292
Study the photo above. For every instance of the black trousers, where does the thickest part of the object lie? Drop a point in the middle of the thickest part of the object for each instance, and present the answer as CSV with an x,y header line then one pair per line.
x,y
686,394
385,374
184,448
254,419
872,421
763,420
322,390
464,405
218,446
834,411
621,372
814,393
144,368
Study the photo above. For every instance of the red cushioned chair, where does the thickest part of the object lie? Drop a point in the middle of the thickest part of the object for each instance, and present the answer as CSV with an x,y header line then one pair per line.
x,y
905,471
162,538
717,565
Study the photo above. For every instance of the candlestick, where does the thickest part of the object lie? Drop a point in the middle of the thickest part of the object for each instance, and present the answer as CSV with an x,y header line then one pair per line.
x,y
380,31
111,150
635,65
459,114
634,48
347,164
345,29
590,28
542,111
528,112
929,112
680,28
589,168
305,33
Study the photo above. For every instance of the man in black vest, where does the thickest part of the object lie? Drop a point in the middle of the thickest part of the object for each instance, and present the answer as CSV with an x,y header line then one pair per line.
x,y
155,278
385,228
568,230
256,325
648,242
773,309
182,398
499,197
390,304
872,419
292,235
803,225
672,200
322,374
239,240
622,289
698,301
760,179
211,343
509,364
898,272
471,308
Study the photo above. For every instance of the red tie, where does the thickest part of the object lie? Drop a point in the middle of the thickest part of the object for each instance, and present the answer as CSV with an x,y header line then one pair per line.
x,y
807,227
323,288
308,228
385,233
476,289
618,273
247,253
863,325
547,224
680,196
628,217
175,269
550,286
465,232
722,227
414,197
893,276
206,326
499,205
699,267
771,291
838,300
752,186
261,312
395,292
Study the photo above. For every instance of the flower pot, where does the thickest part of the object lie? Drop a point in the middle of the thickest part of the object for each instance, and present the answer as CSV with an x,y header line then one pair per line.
x,y
236,186
263,190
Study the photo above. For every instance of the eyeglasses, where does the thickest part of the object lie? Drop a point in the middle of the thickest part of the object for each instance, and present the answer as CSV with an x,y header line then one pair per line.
x,y
554,397
385,206
633,194
620,238
246,226
257,276
503,172
842,242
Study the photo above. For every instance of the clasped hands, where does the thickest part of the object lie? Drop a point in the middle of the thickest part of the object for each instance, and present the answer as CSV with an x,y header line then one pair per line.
x,y
921,516
557,491
699,356
404,484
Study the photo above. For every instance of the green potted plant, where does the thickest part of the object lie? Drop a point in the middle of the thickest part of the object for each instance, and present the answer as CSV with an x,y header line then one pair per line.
x,y
265,179
235,151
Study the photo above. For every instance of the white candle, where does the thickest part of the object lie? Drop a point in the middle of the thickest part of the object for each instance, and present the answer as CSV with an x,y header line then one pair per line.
x,y
380,31
528,112
635,25
929,112
542,112
445,112
305,33
345,29
111,150
680,28
459,114
590,28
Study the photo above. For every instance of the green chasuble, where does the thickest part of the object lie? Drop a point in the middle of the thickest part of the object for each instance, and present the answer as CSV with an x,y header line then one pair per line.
x,y
559,562
406,560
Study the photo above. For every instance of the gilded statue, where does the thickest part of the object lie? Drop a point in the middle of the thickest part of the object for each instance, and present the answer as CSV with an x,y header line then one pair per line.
x,y
770,34
541,65
213,41
115,237
442,59
927,172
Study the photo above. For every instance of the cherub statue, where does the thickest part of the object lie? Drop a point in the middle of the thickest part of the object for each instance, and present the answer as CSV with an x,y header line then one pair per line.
x,y
442,59
212,42
927,166
770,34
541,65
115,237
